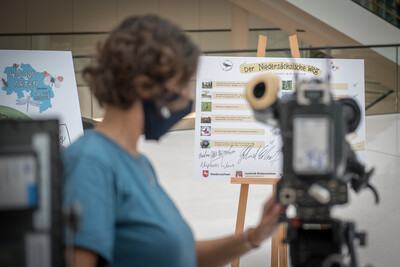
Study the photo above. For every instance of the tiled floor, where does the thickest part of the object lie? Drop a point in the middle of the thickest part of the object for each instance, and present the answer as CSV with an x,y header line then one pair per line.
x,y
211,207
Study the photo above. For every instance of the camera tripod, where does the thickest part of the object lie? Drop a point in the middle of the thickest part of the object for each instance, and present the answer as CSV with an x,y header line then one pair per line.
x,y
323,243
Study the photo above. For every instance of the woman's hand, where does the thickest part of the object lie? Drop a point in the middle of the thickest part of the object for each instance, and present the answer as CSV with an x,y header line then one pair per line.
x,y
269,222
222,251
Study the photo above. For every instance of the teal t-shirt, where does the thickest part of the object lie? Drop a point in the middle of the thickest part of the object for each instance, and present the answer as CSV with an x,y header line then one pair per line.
x,y
127,218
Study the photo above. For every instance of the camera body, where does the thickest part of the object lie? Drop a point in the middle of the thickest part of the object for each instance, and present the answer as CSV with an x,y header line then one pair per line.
x,y
318,165
316,154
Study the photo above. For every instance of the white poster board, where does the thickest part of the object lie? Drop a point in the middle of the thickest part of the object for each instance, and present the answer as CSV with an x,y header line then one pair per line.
x,y
228,140
41,85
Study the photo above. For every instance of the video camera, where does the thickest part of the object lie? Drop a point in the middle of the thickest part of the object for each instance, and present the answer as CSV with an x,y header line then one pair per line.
x,y
318,166
31,226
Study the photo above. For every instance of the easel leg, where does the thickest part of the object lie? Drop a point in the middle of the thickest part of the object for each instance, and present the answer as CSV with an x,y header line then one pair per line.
x,y
275,240
281,235
294,46
244,192
282,247
262,45
279,250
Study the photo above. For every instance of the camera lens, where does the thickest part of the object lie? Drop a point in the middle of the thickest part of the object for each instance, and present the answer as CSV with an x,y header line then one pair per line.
x,y
287,196
352,113
262,91
259,90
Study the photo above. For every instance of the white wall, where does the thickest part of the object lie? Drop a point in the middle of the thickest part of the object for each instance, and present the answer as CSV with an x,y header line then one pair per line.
x,y
211,207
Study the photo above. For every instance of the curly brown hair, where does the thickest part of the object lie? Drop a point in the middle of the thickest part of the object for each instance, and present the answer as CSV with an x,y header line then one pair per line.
x,y
141,46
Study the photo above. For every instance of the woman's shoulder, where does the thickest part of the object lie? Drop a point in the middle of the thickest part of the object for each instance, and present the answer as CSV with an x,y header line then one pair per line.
x,y
92,145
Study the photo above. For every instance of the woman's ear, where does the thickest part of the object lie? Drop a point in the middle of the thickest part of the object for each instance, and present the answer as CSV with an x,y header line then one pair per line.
x,y
145,87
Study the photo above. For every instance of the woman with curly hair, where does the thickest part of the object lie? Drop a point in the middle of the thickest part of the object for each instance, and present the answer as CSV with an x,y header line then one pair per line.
x,y
141,77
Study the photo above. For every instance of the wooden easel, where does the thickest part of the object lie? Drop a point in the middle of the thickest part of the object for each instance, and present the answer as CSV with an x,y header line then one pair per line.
x,y
278,249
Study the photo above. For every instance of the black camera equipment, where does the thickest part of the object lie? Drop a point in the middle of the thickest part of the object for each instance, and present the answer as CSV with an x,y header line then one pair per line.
x,y
31,232
318,166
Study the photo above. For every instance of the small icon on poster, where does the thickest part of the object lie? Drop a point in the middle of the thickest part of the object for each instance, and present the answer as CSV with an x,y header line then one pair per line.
x,y
205,143
205,131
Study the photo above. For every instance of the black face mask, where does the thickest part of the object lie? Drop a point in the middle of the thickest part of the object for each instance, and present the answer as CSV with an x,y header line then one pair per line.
x,y
157,121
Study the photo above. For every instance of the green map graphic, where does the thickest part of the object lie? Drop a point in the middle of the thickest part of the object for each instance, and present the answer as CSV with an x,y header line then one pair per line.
x,y
29,86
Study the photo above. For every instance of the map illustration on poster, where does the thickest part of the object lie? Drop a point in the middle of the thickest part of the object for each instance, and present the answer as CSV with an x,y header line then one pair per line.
x,y
229,142
41,85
